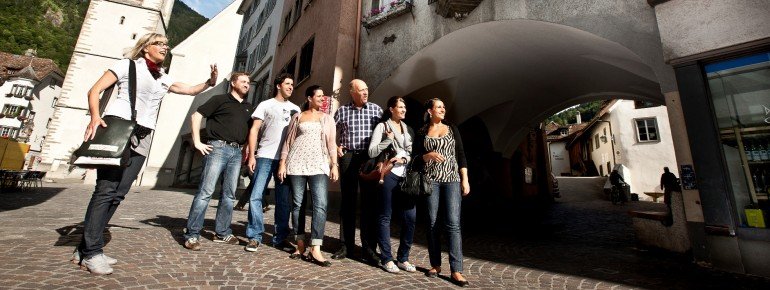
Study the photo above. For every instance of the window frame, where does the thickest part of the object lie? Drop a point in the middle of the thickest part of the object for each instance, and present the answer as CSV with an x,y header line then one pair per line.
x,y
305,66
647,131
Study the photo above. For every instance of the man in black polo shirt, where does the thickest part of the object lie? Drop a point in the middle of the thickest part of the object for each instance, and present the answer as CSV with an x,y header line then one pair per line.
x,y
228,118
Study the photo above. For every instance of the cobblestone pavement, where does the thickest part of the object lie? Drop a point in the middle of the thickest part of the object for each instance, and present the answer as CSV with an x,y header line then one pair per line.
x,y
572,245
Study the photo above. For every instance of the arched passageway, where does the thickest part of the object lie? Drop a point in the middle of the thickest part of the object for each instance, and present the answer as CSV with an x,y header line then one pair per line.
x,y
500,80
511,74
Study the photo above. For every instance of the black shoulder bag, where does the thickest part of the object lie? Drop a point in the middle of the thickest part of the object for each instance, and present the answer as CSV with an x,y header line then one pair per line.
x,y
111,146
415,182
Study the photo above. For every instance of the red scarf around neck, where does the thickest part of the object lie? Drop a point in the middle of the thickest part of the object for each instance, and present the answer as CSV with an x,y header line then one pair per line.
x,y
153,68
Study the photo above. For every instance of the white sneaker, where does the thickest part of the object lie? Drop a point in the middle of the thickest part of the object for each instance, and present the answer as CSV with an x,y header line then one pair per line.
x,y
390,267
76,258
97,265
406,266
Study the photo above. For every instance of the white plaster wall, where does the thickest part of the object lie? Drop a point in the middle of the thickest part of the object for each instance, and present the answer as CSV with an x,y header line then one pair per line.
x,y
644,160
102,41
5,89
214,42
42,105
603,154
689,27
559,158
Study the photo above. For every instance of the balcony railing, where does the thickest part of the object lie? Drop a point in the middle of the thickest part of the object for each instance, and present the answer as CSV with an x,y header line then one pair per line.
x,y
459,9
378,15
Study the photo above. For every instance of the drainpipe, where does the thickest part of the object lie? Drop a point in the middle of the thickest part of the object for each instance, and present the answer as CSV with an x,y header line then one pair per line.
x,y
612,141
358,40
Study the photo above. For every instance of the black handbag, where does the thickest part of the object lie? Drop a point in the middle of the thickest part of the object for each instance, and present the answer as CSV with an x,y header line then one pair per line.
x,y
376,168
415,183
111,146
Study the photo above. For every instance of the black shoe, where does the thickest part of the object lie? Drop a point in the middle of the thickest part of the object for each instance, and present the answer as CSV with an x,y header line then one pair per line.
x,y
285,246
459,283
296,256
432,274
371,258
317,262
341,254
462,283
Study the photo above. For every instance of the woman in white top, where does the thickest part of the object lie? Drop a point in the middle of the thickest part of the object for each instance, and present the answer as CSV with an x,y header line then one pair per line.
x,y
393,134
112,184
309,158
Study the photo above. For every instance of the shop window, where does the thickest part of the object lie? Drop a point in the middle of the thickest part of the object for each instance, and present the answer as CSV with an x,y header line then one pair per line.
x,y
647,130
740,92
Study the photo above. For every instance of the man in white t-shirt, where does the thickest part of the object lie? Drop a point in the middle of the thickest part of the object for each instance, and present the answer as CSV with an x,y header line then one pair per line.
x,y
268,131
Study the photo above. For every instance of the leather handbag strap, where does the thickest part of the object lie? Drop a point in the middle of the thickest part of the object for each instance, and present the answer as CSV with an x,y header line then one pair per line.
x,y
107,94
132,88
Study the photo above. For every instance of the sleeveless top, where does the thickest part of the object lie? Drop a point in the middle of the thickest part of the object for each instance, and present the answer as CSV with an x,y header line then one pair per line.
x,y
446,171
306,155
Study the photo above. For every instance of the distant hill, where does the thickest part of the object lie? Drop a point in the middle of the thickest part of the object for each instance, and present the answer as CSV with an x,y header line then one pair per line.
x,y
52,26
568,116
184,21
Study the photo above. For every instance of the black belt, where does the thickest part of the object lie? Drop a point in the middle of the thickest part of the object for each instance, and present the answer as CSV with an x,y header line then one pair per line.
x,y
233,144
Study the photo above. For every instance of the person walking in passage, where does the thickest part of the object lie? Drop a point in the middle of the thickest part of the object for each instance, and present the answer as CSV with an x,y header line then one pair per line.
x,y
355,122
669,183
309,160
271,120
439,149
227,126
392,133
112,184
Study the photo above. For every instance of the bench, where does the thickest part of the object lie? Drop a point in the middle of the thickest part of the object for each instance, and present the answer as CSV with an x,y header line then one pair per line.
x,y
651,230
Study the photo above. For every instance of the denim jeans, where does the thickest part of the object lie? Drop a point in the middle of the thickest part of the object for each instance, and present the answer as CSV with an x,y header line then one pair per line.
x,y
264,170
350,163
112,185
319,193
223,160
447,194
406,208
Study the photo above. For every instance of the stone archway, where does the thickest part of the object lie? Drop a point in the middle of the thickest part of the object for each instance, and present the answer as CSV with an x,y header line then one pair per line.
x,y
500,79
514,73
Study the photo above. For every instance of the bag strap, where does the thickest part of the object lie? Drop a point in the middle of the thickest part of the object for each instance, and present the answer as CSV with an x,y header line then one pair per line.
x,y
132,88
107,94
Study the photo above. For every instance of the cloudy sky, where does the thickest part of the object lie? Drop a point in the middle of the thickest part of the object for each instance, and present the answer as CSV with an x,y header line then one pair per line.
x,y
208,8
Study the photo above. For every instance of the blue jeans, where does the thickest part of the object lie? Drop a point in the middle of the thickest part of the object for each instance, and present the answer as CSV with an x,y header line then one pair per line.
x,y
319,193
406,209
264,170
223,160
447,194
112,185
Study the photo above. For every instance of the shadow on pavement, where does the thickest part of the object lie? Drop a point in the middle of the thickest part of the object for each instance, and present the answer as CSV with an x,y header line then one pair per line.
x,y
15,199
70,236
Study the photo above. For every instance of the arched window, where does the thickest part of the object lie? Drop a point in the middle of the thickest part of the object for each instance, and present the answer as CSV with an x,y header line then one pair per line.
x,y
122,19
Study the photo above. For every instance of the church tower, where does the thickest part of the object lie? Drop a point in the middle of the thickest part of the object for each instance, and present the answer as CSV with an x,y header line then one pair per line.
x,y
109,28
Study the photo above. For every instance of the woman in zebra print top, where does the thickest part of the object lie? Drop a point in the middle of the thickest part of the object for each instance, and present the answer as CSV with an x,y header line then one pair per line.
x,y
440,148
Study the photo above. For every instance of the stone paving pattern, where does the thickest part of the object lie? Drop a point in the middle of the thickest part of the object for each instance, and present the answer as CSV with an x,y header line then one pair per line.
x,y
575,244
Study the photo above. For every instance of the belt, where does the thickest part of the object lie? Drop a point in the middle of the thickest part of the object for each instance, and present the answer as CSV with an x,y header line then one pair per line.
x,y
357,151
232,144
